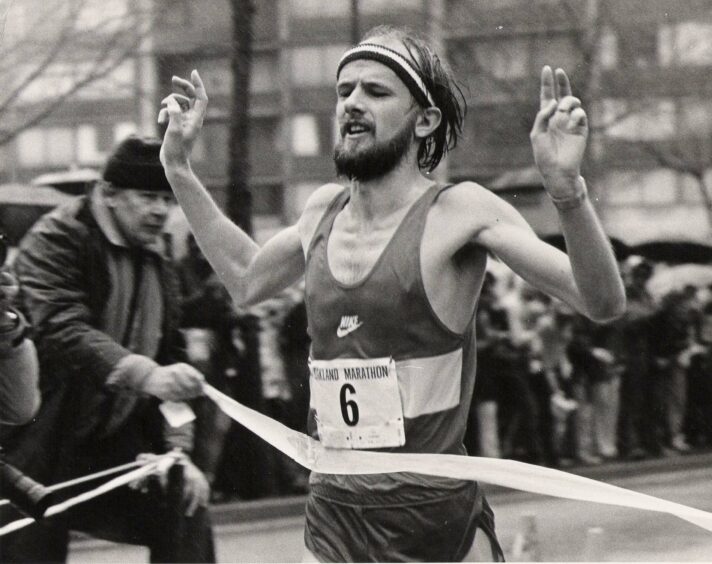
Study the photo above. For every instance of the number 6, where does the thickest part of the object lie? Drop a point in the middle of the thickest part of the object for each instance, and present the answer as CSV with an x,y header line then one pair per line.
x,y
349,408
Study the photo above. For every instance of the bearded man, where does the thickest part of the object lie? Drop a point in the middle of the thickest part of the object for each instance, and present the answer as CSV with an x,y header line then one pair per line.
x,y
394,263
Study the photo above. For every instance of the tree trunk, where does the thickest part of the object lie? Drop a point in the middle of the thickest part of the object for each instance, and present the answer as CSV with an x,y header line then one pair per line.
x,y
239,197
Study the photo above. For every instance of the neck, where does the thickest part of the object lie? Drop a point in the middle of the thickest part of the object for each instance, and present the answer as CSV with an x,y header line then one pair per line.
x,y
379,198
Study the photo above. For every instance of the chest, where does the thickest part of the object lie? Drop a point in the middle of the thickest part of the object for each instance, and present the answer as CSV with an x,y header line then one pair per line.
x,y
353,253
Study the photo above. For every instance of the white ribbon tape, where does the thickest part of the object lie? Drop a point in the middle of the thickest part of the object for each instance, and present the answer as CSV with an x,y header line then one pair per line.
x,y
117,482
509,473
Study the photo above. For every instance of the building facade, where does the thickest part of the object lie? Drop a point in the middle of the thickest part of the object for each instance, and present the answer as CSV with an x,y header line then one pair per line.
x,y
642,67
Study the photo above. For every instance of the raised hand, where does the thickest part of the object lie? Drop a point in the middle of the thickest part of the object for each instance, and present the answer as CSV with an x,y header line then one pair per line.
x,y
559,133
184,111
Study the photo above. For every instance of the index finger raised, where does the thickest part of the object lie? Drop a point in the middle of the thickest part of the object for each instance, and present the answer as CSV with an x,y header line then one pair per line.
x,y
548,89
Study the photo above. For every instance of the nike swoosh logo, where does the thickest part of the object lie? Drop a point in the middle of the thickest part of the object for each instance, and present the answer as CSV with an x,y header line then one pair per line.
x,y
341,333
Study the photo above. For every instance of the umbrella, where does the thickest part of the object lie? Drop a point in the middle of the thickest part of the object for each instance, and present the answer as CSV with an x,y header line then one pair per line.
x,y
674,252
669,278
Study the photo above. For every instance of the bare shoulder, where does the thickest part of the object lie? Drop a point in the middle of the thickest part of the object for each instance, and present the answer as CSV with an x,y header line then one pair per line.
x,y
322,197
466,197
466,209
314,210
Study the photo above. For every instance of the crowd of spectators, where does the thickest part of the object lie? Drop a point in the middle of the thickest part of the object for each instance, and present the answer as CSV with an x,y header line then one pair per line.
x,y
552,387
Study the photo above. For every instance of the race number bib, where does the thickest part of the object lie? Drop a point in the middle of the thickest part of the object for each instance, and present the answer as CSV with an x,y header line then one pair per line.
x,y
357,403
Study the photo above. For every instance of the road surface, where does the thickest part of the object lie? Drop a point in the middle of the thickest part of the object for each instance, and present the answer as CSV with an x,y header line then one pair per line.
x,y
566,531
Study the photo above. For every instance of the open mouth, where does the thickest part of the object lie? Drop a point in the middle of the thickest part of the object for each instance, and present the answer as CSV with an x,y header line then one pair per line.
x,y
355,129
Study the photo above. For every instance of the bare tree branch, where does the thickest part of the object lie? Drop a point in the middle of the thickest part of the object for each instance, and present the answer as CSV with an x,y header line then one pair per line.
x,y
115,48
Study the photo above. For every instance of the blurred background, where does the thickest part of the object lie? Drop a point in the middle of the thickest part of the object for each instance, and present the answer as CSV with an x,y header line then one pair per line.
x,y
80,75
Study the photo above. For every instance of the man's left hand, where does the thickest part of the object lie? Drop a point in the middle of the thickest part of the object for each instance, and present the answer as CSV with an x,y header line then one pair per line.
x,y
559,134
196,490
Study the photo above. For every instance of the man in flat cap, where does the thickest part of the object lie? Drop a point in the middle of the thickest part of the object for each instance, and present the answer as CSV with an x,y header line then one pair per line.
x,y
101,294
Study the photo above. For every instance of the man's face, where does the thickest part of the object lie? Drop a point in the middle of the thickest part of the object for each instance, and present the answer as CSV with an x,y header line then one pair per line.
x,y
376,114
141,214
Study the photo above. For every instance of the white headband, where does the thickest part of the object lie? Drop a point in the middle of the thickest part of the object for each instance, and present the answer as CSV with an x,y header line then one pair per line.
x,y
396,62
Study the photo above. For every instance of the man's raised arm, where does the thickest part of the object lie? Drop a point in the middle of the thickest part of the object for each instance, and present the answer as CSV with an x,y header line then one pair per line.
x,y
588,279
249,273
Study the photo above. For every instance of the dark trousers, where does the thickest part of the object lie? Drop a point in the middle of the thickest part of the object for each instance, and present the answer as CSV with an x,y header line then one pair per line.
x,y
123,515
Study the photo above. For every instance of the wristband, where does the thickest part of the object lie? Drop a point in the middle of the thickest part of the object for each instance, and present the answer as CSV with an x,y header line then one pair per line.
x,y
574,200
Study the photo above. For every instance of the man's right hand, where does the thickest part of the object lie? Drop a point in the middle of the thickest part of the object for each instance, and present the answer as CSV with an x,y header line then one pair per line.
x,y
174,382
184,112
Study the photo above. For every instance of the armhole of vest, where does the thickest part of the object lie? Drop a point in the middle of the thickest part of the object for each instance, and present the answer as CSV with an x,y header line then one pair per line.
x,y
470,326
322,220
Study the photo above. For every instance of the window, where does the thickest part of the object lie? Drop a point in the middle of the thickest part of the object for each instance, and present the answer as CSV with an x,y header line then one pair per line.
x,y
46,146
686,43
88,152
123,129
644,120
217,76
102,16
30,147
379,7
695,117
632,188
554,51
265,73
659,187
504,58
13,22
117,84
690,189
638,46
319,8
268,199
315,66
305,135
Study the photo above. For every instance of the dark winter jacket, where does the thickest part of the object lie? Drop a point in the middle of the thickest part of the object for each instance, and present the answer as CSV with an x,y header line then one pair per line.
x,y
83,424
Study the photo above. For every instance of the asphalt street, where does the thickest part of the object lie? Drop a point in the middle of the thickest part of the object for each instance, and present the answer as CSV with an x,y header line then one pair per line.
x,y
565,531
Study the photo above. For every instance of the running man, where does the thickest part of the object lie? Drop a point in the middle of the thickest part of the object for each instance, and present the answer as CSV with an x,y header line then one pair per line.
x,y
394,263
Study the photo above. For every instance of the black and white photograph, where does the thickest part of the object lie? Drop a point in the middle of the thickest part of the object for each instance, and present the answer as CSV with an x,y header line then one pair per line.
x,y
355,281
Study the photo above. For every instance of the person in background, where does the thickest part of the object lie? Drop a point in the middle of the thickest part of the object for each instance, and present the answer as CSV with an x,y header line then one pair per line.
x,y
630,344
492,362
699,407
101,293
19,392
673,328
593,368
19,369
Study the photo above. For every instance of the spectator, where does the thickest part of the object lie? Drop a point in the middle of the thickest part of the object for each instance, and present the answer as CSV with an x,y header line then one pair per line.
x,y
19,373
699,424
101,295
630,346
671,361
521,438
593,372
492,361
554,328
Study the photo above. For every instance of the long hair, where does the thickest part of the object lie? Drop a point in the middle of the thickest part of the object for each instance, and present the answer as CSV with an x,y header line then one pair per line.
x,y
443,87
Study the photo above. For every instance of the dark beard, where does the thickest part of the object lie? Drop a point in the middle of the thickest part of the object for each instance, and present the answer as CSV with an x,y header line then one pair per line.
x,y
376,161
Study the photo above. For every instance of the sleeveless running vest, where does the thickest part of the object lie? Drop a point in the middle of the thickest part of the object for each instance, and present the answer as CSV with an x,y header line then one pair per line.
x,y
387,314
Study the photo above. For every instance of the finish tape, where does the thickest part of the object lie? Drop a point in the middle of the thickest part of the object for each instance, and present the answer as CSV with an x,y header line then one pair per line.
x,y
311,454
